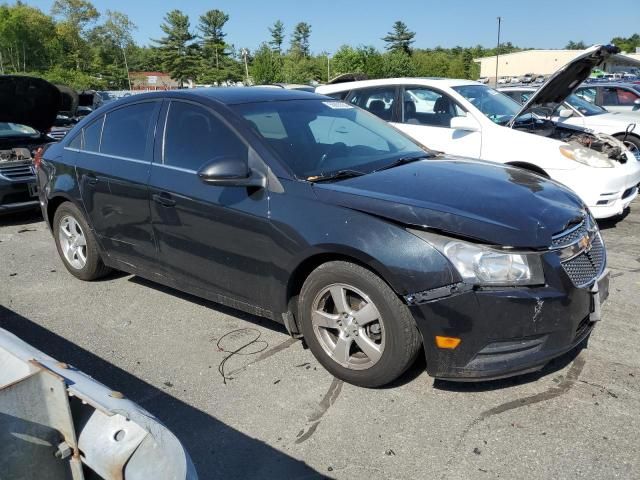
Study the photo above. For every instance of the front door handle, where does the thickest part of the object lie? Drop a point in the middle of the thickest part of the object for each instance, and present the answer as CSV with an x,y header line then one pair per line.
x,y
164,199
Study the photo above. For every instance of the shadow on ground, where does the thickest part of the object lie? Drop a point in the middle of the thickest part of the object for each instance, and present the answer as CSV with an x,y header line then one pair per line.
x,y
217,450
21,218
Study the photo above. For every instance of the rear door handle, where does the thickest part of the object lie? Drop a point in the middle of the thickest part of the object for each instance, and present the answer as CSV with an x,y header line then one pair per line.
x,y
92,179
164,199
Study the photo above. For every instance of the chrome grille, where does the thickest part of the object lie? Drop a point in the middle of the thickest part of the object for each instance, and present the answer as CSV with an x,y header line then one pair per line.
x,y
15,172
588,255
588,265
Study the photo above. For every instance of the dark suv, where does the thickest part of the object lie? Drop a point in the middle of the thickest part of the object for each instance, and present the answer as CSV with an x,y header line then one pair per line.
x,y
316,214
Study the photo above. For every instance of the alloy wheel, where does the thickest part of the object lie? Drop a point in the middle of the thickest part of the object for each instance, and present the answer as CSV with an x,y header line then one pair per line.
x,y
73,242
348,326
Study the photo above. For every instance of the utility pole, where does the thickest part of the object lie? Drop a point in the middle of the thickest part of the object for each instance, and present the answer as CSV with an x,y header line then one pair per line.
x,y
328,69
245,53
126,66
498,50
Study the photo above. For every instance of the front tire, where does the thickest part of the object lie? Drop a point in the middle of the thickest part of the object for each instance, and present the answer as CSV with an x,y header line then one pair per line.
x,y
76,244
356,326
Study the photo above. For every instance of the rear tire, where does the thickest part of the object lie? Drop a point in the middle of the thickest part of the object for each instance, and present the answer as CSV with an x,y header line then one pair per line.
x,y
76,244
356,326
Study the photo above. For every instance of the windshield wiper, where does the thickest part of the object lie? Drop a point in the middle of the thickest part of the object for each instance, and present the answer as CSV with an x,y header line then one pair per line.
x,y
340,174
402,161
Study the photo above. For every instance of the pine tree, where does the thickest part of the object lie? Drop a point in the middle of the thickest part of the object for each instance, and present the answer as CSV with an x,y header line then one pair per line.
x,y
277,36
211,25
177,47
300,39
400,39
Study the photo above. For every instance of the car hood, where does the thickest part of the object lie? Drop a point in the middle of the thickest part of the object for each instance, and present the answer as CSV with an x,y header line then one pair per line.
x,y
69,100
484,201
28,101
563,82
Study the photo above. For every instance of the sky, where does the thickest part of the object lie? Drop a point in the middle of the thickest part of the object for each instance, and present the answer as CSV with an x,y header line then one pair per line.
x,y
536,24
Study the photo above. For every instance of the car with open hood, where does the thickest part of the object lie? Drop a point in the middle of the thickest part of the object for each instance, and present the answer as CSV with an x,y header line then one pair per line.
x,y
614,96
577,112
28,109
463,117
314,213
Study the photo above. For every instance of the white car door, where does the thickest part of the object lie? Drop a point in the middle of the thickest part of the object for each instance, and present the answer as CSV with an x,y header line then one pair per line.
x,y
426,116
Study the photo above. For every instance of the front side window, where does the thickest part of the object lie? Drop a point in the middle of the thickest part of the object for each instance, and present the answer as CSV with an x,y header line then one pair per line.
x,y
324,136
424,106
494,105
378,101
587,94
194,136
585,108
626,97
126,131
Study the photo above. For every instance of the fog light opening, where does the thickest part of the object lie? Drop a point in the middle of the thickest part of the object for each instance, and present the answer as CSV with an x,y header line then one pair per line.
x,y
448,343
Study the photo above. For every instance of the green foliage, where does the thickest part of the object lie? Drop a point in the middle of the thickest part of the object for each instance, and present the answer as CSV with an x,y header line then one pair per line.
x,y
177,48
277,36
400,39
580,45
78,46
627,44
300,40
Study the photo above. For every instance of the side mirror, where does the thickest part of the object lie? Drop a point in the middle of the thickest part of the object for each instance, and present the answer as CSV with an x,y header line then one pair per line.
x,y
466,124
231,172
565,113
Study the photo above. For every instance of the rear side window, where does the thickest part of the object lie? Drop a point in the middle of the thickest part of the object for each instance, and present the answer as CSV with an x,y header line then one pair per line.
x,y
194,136
91,136
126,130
76,142
378,101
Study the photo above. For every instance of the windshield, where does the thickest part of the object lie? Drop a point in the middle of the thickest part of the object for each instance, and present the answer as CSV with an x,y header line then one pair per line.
x,y
498,107
16,130
320,137
585,108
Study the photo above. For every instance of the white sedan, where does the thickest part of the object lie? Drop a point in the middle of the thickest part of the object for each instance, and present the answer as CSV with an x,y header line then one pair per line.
x,y
580,113
466,118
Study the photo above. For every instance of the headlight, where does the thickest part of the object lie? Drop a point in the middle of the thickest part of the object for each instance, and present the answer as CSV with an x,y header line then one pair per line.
x,y
586,156
483,265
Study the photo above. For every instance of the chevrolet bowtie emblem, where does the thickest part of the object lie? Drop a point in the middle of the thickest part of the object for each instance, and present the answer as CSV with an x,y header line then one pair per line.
x,y
585,243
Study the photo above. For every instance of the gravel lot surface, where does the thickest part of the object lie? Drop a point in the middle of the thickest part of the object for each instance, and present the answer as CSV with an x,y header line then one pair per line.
x,y
282,416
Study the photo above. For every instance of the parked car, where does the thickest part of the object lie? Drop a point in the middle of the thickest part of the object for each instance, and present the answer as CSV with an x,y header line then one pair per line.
x,y
483,80
615,97
314,213
473,120
90,98
540,79
504,80
578,112
528,78
289,86
28,108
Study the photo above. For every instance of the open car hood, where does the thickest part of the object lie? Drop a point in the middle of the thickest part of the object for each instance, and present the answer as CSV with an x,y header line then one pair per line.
x,y
69,100
28,101
564,81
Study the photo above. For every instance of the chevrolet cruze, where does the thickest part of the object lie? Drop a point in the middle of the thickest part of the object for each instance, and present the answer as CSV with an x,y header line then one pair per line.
x,y
316,214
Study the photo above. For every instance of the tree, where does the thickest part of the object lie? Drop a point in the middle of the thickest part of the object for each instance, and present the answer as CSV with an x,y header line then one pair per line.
x,y
277,36
211,25
266,66
76,16
397,63
400,39
580,45
177,48
627,44
300,39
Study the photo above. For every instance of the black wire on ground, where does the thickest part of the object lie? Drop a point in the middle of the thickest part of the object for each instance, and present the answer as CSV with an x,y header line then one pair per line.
x,y
239,351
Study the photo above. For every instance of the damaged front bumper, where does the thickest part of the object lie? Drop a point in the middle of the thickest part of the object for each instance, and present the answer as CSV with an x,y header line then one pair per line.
x,y
58,423
504,331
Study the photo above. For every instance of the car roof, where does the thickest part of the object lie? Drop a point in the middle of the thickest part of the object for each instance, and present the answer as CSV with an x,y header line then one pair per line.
x,y
606,84
426,81
227,95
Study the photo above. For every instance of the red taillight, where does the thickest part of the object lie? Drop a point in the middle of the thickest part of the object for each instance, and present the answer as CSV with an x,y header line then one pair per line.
x,y
37,158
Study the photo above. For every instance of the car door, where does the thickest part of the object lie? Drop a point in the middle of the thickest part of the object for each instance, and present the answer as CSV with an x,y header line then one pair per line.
x,y
618,99
426,115
214,239
113,167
